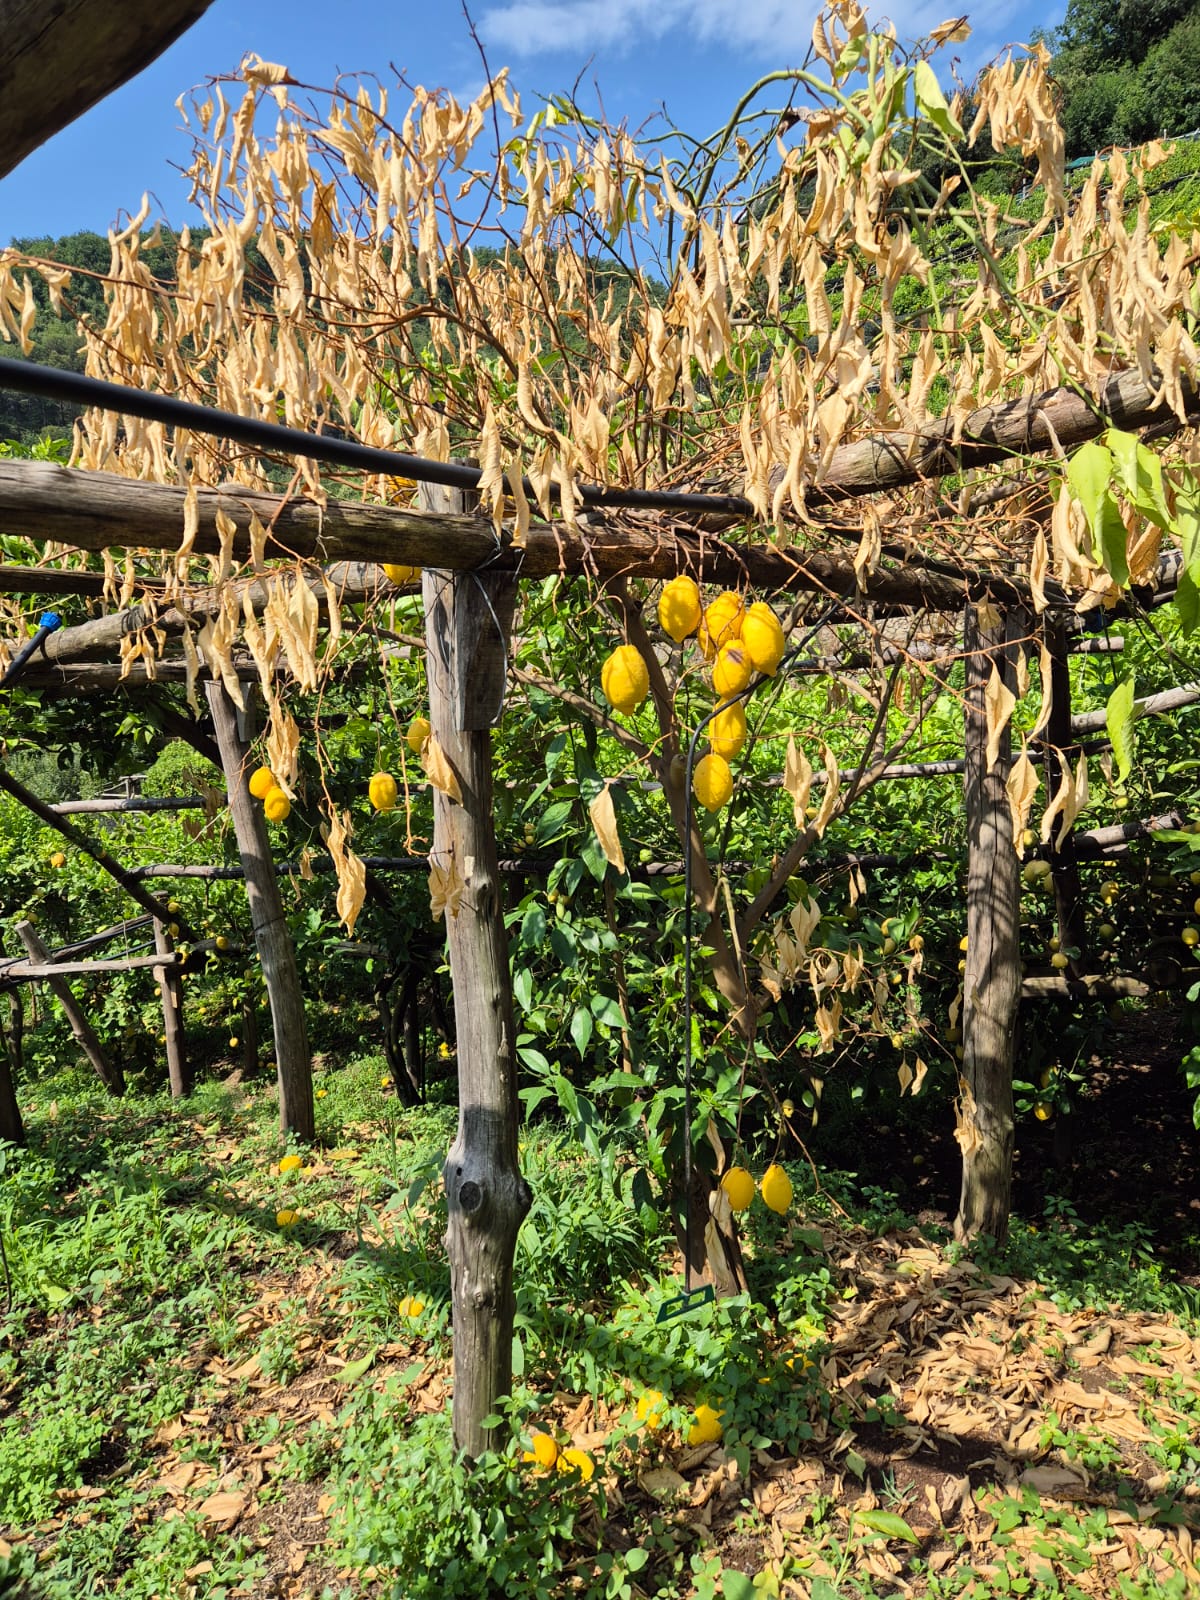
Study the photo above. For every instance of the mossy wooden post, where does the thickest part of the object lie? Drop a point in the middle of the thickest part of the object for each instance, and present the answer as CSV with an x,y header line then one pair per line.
x,y
107,1071
170,982
992,980
273,941
467,622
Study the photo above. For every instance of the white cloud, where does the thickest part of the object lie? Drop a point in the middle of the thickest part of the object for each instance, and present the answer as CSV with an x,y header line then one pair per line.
x,y
780,29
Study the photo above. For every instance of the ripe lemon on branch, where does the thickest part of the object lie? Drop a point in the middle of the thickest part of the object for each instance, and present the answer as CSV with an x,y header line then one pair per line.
x,y
762,638
679,609
712,782
418,733
624,679
722,622
382,791
277,805
739,1186
262,781
731,670
401,574
776,1189
727,731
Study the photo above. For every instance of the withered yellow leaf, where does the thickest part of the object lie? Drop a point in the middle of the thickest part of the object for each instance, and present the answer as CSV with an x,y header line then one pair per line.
x,y
439,771
1021,786
351,872
797,779
998,700
604,821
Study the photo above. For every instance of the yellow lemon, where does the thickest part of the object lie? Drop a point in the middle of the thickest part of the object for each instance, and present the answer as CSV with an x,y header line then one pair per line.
x,y
382,791
58,859
712,782
731,671
762,636
544,1452
1191,937
739,1186
707,1428
234,1042
290,1163
962,943
1043,1111
418,734
577,1461
411,1306
624,679
650,1408
277,806
401,574
287,1219
262,781
321,1093
722,623
1059,961
679,608
776,1189
727,731
221,942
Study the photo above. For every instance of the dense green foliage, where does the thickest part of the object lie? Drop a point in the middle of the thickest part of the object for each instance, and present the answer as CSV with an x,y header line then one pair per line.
x,y
1129,71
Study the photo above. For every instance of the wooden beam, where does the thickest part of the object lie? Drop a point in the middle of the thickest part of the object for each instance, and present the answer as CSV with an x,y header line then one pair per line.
x,y
52,967
97,510
142,802
61,56
1154,705
1090,985
54,580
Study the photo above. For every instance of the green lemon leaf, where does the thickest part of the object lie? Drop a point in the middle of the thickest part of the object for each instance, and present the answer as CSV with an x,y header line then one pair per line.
x,y
887,1523
353,1370
1118,718
932,103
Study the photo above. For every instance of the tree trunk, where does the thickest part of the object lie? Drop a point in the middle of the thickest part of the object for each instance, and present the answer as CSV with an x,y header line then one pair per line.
x,y
109,1074
62,56
467,623
276,952
992,981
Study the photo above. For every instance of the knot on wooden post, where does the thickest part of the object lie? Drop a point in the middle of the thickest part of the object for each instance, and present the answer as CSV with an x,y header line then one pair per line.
x,y
470,1199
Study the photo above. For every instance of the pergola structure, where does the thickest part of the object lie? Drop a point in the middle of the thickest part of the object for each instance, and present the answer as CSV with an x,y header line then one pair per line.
x,y
471,576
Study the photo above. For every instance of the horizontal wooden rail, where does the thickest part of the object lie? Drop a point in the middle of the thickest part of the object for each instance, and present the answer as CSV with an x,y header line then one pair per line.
x,y
1154,705
190,802
19,971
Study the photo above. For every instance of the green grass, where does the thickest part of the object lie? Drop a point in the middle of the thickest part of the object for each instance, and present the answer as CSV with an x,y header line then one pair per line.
x,y
168,1345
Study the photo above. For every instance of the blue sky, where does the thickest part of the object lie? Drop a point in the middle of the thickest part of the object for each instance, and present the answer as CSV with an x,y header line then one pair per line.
x,y
694,56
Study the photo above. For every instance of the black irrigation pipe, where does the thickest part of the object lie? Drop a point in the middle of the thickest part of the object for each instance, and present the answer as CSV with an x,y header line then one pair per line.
x,y
74,388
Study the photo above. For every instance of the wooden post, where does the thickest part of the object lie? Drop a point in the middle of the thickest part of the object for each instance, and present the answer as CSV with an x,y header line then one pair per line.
x,y
12,1129
992,980
109,1074
170,982
467,624
276,952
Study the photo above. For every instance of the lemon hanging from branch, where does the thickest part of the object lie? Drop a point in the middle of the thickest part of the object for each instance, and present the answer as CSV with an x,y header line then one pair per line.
x,y
727,731
722,622
776,1189
731,670
762,638
262,781
712,782
739,1186
382,791
624,679
679,608
276,805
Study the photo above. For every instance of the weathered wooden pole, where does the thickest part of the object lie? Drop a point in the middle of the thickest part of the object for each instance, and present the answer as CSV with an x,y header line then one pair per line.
x,y
272,939
468,618
12,1129
992,980
108,1072
170,983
